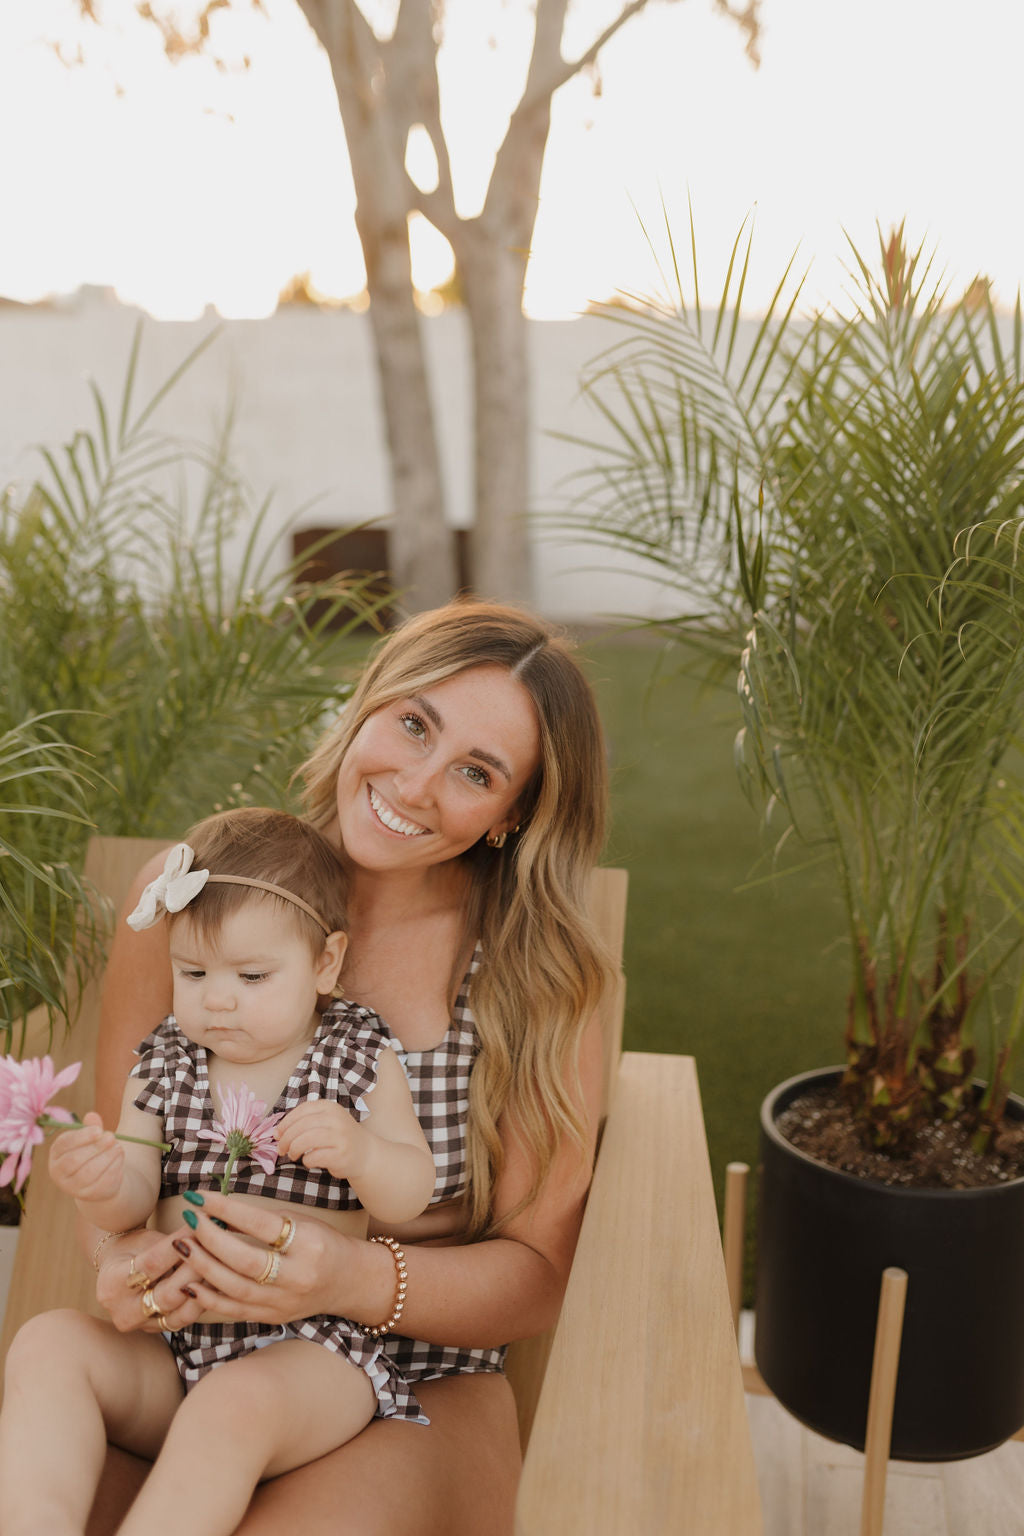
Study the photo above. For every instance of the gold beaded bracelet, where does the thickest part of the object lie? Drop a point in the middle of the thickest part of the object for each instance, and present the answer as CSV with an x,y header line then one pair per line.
x,y
398,1254
106,1239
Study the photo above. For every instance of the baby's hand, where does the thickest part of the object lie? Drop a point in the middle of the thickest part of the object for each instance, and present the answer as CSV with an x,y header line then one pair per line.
x,y
321,1134
87,1163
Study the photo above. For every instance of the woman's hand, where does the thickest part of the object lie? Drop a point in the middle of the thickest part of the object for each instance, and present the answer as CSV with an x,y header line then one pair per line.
x,y
161,1260
316,1269
87,1163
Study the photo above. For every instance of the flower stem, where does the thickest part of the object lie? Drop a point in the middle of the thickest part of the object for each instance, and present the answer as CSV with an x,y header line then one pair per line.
x,y
49,1124
225,1183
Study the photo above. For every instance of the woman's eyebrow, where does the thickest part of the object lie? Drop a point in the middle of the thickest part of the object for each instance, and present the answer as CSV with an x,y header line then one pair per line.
x,y
429,710
485,757
491,761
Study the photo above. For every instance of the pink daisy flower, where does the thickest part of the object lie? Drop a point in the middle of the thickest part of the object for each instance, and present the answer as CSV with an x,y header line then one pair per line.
x,y
26,1088
26,1114
244,1130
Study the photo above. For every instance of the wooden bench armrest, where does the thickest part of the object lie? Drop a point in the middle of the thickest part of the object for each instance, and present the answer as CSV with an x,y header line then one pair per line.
x,y
641,1423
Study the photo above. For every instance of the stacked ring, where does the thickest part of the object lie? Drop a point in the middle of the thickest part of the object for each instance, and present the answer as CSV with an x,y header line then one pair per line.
x,y
150,1305
283,1241
270,1272
137,1280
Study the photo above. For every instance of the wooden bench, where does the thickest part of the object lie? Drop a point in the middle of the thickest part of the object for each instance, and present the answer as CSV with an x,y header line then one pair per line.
x,y
632,1411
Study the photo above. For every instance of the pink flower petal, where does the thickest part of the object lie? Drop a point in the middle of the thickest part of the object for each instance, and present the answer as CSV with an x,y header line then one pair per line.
x,y
26,1088
242,1114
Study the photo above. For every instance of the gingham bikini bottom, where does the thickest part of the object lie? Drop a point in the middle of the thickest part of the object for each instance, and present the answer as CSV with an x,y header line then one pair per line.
x,y
203,1346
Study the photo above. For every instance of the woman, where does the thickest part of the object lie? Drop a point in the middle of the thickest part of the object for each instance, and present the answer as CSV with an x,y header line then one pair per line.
x,y
465,787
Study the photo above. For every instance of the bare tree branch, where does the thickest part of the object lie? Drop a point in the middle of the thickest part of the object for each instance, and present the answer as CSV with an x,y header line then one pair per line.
x,y
543,81
748,18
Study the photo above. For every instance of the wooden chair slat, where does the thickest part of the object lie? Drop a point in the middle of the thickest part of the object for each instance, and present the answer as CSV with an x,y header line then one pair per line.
x,y
641,1423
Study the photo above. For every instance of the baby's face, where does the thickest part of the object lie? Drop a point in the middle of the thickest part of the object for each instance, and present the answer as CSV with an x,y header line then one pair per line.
x,y
247,993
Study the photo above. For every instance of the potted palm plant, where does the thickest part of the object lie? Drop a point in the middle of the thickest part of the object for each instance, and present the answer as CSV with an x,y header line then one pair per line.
x,y
837,504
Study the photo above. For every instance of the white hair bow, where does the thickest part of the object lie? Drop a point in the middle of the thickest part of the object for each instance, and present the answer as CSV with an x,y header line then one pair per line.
x,y
170,891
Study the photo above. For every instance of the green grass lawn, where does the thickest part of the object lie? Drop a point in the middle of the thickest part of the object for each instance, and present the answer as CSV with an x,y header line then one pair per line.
x,y
752,983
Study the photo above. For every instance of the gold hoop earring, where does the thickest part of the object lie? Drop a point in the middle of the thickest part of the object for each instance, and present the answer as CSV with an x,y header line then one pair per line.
x,y
498,839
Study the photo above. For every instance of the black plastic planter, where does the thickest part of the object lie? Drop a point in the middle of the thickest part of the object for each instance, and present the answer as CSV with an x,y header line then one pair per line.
x,y
824,1238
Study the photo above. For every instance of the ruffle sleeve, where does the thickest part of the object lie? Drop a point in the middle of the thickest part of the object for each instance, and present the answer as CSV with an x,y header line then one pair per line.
x,y
164,1066
344,1060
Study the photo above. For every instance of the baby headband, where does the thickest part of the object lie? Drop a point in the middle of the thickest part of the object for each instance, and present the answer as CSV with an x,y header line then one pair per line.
x,y
179,883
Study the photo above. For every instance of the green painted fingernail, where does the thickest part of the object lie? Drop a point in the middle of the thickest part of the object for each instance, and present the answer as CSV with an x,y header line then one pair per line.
x,y
190,1219
218,1223
193,1197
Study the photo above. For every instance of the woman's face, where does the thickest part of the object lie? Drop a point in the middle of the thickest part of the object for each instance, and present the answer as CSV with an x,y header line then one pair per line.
x,y
427,776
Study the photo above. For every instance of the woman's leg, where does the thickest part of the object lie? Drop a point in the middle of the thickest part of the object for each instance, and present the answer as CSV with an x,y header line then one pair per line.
x,y
256,1417
72,1382
456,1478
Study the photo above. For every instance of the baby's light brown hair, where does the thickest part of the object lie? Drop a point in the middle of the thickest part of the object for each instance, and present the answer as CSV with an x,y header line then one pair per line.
x,y
257,843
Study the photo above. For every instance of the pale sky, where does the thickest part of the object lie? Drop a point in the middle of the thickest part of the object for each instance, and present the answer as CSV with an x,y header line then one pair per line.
x,y
184,187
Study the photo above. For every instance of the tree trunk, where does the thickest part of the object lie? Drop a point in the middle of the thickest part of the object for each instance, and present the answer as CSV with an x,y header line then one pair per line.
x,y
492,284
422,546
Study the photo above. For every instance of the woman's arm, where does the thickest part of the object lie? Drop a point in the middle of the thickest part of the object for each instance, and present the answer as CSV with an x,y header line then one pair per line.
x,y
476,1295
136,996
485,1294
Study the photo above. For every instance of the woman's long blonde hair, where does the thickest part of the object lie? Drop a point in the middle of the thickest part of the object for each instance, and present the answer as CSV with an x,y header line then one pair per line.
x,y
543,966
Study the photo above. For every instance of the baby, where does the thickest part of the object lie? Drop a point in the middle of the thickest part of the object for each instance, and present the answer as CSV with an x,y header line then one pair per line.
x,y
254,903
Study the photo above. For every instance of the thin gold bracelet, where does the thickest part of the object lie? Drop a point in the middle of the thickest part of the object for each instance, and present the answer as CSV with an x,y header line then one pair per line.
x,y
106,1239
398,1254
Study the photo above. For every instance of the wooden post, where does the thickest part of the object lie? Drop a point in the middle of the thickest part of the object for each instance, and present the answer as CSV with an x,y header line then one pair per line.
x,y
734,1226
878,1436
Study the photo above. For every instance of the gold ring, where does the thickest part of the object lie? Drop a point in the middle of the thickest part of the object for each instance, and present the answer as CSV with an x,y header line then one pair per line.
x,y
283,1241
150,1305
165,1326
137,1280
270,1272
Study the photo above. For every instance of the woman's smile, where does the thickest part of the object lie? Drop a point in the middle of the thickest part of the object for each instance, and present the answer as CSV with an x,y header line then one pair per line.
x,y
391,819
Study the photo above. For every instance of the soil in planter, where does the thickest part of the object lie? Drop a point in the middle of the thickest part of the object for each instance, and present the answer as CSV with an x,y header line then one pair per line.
x,y
10,1207
821,1124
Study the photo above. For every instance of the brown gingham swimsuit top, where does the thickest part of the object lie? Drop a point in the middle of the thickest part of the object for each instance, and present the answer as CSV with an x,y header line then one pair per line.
x,y
439,1081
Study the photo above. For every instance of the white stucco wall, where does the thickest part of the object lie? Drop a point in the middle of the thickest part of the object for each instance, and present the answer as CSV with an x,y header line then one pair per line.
x,y
307,423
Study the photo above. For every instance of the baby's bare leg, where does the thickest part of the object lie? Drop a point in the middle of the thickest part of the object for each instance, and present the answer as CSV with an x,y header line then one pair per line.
x,y
273,1410
71,1383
